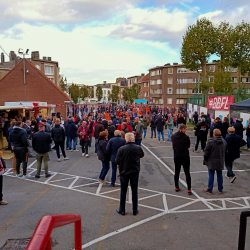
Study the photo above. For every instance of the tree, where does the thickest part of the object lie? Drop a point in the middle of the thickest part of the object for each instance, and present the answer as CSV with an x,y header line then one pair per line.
x,y
63,86
199,43
84,93
114,94
135,90
240,54
99,93
130,94
74,91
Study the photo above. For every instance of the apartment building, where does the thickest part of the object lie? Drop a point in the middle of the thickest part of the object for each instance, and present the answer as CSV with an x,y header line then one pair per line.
x,y
134,79
106,90
171,85
47,66
144,83
122,83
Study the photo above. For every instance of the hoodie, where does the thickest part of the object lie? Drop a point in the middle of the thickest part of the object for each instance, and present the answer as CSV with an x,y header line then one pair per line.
x,y
181,144
215,152
18,137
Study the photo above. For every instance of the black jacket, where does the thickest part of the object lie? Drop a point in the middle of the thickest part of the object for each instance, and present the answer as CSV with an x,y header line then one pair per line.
x,y
71,129
225,126
5,129
18,137
181,144
124,156
216,125
195,117
58,133
102,152
41,142
111,130
98,128
248,132
160,124
234,142
181,120
201,130
152,124
239,128
105,124
28,130
34,125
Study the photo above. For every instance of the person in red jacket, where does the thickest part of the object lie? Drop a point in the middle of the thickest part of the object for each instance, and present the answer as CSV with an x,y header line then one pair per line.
x,y
83,133
128,126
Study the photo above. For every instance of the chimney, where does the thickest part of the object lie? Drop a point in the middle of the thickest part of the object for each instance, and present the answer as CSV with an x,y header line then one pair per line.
x,y
142,74
35,55
49,58
104,82
2,57
175,63
12,56
44,58
168,64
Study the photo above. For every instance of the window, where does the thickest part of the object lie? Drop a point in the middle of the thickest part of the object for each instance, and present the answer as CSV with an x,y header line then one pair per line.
x,y
195,91
170,71
181,80
170,91
169,100
135,80
248,79
38,66
51,79
104,92
153,100
152,73
108,91
170,80
160,101
159,81
195,80
145,94
243,79
181,91
211,91
49,70
211,79
234,79
156,91
145,84
152,82
181,70
212,68
158,72
230,69
180,101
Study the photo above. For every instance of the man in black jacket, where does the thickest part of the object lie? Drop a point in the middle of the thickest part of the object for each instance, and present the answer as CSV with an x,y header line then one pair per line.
x,y
41,143
239,127
181,145
128,159
18,137
97,129
201,131
28,129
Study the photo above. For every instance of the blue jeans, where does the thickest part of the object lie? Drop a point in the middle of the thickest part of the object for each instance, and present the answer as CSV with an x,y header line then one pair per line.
x,y
161,134
114,169
144,132
211,179
248,142
70,143
138,142
229,166
104,171
170,131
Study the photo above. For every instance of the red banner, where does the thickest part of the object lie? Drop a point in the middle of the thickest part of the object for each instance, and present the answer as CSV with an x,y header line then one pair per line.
x,y
220,102
59,105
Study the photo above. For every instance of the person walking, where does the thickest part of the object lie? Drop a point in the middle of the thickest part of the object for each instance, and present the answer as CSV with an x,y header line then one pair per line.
x,y
214,159
27,127
128,159
195,117
71,132
58,136
41,143
201,130
138,131
216,125
90,124
2,170
111,129
103,156
160,128
98,128
83,133
239,127
145,126
180,120
181,145
170,126
153,127
18,138
234,142
113,145
224,128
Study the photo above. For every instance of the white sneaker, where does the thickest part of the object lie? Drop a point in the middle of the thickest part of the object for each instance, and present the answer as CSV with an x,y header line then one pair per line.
x,y
66,158
58,159
75,150
87,156
164,141
228,176
159,142
83,154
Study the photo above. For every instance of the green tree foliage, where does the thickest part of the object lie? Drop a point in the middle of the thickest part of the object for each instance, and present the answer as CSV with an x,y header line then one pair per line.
x,y
130,94
63,86
114,94
199,43
222,81
99,93
84,93
74,91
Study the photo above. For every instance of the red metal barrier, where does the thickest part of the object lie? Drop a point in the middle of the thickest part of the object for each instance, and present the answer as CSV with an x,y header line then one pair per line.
x,y
41,239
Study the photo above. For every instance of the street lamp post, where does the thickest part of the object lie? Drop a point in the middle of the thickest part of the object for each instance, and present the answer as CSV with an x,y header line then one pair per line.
x,y
199,79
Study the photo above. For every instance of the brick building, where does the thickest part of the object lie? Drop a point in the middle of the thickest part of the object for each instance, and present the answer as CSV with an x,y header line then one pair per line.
x,y
122,83
38,87
144,83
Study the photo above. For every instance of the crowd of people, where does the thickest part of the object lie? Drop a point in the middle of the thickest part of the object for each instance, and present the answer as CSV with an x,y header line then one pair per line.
x,y
117,138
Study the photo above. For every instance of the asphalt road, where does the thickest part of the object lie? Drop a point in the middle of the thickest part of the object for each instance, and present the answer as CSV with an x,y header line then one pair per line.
x,y
166,219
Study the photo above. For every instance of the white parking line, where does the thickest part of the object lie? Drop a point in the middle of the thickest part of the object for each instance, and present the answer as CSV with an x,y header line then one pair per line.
x,y
99,188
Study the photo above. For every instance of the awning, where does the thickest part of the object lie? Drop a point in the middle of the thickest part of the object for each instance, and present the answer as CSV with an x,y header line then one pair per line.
x,y
241,106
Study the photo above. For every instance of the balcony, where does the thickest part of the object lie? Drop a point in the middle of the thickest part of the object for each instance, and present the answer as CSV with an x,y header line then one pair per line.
x,y
155,95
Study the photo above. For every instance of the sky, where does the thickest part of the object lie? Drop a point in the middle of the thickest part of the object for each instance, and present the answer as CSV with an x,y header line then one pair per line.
x,y
101,40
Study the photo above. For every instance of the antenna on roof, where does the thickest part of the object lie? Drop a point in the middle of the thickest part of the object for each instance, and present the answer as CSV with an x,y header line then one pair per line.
x,y
4,51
